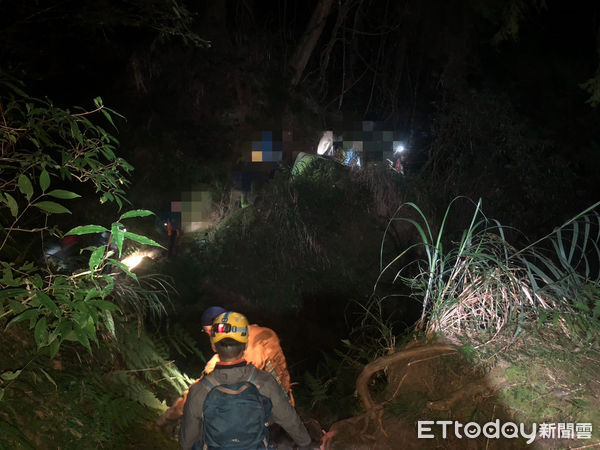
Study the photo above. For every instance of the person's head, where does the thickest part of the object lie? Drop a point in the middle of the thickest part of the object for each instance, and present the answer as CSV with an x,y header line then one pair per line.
x,y
229,335
208,317
230,349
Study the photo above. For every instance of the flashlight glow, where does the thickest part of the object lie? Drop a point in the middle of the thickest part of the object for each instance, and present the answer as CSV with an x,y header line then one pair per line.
x,y
136,257
133,260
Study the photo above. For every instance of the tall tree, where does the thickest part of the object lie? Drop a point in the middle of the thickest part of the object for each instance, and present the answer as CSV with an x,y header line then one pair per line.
x,y
309,39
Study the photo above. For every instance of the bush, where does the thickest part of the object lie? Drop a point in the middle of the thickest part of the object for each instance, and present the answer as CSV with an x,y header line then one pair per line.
x,y
46,150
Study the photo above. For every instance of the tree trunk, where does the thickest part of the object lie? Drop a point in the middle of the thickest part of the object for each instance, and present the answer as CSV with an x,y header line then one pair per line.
x,y
309,40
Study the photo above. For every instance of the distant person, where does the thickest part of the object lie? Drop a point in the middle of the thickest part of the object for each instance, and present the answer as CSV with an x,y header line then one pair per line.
x,y
263,350
232,406
68,241
398,165
172,233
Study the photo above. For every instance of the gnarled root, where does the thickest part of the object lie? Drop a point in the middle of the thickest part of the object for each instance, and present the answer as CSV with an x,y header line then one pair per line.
x,y
421,353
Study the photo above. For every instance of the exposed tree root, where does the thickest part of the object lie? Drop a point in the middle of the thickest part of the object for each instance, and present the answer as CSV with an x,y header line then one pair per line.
x,y
366,428
422,353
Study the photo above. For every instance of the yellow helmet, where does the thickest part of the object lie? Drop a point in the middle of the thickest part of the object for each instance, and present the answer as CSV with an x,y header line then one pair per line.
x,y
229,325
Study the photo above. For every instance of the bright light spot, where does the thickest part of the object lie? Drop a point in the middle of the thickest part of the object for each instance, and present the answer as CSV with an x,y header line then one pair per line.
x,y
398,148
326,143
136,257
133,260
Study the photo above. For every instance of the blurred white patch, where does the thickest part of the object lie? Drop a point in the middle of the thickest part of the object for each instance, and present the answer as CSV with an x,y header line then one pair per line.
x,y
326,143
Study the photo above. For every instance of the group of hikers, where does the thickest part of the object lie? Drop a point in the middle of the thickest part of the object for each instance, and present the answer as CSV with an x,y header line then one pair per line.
x,y
244,389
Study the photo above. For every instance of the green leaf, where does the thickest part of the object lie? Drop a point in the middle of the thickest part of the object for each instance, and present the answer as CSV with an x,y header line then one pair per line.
x,y
1,394
83,338
7,278
96,258
106,197
104,305
93,292
128,167
40,334
90,329
29,314
27,267
48,303
53,347
37,281
123,267
62,194
15,89
52,207
86,229
84,309
118,236
136,213
110,284
12,204
25,186
16,307
44,180
48,377
107,152
64,329
582,306
76,133
108,117
109,322
141,239
9,375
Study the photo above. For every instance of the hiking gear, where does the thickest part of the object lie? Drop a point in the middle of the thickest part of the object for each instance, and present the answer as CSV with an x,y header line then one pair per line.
x,y
235,415
208,316
282,412
229,325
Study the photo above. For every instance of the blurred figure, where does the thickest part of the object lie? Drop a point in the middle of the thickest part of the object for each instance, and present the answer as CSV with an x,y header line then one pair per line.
x,y
68,241
172,233
399,159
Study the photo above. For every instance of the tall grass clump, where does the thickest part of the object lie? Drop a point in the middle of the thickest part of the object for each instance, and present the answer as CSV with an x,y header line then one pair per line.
x,y
476,282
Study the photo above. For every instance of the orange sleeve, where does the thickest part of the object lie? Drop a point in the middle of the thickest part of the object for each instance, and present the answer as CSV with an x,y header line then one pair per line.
x,y
264,351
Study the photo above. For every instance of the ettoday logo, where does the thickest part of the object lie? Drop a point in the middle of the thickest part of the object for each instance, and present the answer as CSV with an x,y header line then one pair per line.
x,y
508,430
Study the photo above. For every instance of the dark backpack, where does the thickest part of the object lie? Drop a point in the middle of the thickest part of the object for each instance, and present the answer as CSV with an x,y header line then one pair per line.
x,y
235,415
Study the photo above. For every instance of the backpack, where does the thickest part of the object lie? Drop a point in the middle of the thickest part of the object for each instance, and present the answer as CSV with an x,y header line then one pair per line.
x,y
235,415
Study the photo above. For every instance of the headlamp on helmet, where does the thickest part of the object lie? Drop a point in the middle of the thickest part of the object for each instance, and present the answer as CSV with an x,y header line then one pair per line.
x,y
229,325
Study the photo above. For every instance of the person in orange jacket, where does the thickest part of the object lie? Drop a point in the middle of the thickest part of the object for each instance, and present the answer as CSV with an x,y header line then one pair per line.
x,y
172,233
233,405
263,351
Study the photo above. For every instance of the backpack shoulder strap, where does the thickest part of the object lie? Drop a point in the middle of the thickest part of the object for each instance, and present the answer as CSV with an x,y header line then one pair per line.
x,y
252,378
253,374
209,381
